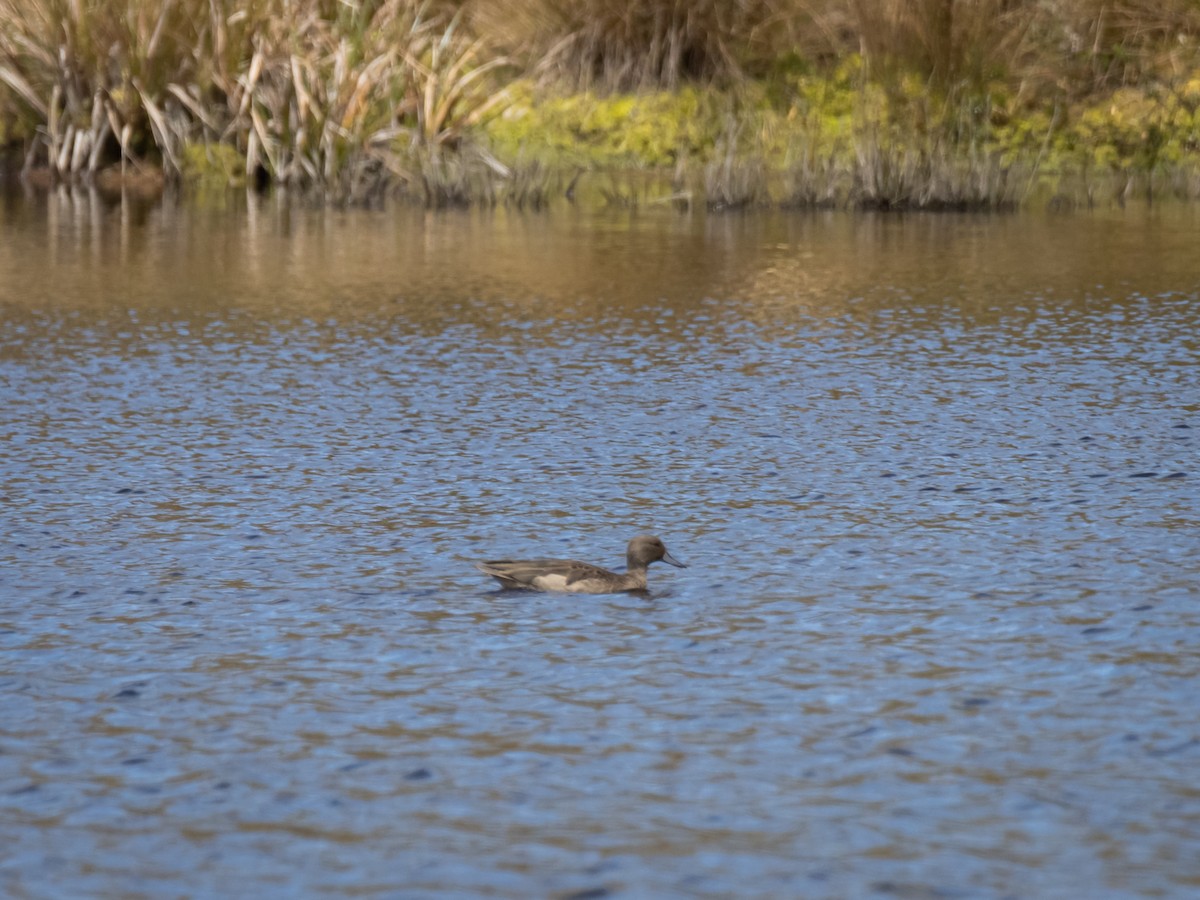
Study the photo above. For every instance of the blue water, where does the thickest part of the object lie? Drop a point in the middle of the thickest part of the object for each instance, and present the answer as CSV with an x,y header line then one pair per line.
x,y
934,478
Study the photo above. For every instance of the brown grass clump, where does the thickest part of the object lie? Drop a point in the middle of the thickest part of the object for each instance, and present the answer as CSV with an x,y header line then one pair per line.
x,y
1109,43
308,93
621,45
1054,46
946,40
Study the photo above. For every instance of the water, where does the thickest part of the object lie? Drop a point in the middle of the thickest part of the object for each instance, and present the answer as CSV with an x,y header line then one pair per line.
x,y
935,478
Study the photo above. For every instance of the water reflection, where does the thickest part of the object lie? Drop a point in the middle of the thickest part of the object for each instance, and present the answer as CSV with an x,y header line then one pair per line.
x,y
286,258
934,477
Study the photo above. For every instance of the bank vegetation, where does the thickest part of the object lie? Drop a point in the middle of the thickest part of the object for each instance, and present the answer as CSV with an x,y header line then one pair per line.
x,y
972,104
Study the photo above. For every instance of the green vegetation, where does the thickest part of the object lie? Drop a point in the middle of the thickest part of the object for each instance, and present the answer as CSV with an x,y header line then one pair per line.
x,y
971,104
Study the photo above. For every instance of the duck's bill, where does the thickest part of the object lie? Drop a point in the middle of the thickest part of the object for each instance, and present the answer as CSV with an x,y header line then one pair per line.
x,y
670,560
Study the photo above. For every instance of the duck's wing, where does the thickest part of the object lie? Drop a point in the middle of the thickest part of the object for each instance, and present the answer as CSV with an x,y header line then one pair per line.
x,y
541,574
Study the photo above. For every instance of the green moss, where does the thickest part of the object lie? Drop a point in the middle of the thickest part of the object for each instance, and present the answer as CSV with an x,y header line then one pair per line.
x,y
208,167
652,130
834,134
1138,131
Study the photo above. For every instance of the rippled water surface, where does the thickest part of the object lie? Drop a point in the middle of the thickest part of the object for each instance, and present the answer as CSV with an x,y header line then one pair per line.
x,y
935,478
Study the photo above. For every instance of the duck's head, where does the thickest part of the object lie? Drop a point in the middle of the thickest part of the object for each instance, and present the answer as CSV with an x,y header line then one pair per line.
x,y
645,549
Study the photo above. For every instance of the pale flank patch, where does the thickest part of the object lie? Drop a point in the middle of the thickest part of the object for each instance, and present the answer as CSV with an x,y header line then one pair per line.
x,y
553,582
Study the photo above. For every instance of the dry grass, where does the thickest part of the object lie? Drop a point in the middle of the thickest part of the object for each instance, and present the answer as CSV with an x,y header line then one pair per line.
x,y
635,44
950,42
309,93
1037,45
1106,43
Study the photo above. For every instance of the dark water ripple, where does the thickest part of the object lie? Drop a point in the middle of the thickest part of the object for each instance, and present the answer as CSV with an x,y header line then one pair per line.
x,y
937,637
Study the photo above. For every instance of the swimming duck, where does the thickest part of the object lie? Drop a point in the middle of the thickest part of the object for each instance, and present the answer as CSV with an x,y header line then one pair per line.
x,y
579,577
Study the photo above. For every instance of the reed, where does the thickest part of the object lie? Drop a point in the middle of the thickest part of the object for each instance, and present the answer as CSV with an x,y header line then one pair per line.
x,y
814,177
735,178
928,153
890,175
311,94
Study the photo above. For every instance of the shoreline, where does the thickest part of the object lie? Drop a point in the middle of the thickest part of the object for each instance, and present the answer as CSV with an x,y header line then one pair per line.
x,y
596,190
923,105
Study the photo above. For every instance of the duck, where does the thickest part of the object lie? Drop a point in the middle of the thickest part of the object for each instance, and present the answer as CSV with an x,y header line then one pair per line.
x,y
575,577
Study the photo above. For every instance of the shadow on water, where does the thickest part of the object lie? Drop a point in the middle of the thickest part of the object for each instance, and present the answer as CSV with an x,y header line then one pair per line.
x,y
933,475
